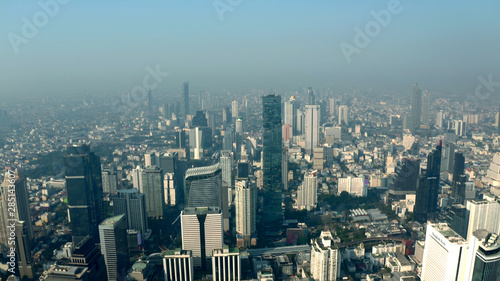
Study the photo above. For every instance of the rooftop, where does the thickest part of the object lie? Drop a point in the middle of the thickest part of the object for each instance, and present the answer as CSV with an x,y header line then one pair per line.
x,y
112,220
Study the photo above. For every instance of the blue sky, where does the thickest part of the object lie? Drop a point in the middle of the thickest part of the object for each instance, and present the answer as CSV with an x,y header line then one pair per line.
x,y
103,47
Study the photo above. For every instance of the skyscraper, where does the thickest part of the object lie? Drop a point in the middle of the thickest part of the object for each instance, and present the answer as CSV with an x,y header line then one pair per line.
x,y
137,178
416,108
290,115
459,177
445,254
484,261
428,188
201,230
246,207
133,204
234,109
227,142
14,189
226,265
178,265
332,107
149,101
284,168
87,254
325,258
440,119
185,99
152,187
344,115
311,96
109,180
307,194
483,214
226,162
113,234
312,127
271,162
425,108
84,187
23,249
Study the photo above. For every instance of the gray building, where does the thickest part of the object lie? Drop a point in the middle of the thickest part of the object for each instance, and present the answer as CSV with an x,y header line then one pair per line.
x,y
133,204
113,234
152,187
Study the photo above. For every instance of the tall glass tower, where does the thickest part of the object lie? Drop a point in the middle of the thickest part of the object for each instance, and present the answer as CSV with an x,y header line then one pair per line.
x,y
271,162
416,108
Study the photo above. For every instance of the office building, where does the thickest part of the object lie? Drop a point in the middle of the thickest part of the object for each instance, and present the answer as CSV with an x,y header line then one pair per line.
x,y
484,257
246,211
226,264
196,143
428,188
416,108
332,107
199,119
168,162
226,163
133,204
492,177
23,250
87,254
272,163
65,273
17,193
448,157
290,114
312,128
440,119
113,234
426,108
171,195
185,100
150,159
137,178
325,258
178,265
227,142
319,158
109,180
344,115
242,170
445,254
152,187
84,187
456,217
311,96
353,186
483,214
239,125
226,115
284,168
307,193
234,109
202,232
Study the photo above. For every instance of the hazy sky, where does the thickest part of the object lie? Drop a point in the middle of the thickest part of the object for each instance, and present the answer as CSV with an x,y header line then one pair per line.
x,y
102,47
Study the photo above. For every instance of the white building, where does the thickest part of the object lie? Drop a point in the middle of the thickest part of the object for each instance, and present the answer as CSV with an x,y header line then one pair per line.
x,y
312,127
307,194
484,257
353,186
192,221
344,115
226,163
246,208
137,178
170,193
493,175
445,254
178,265
235,109
325,260
483,214
226,264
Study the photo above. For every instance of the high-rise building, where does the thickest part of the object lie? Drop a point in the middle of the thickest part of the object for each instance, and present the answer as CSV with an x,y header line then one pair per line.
x,y
448,157
312,127
405,180
14,190
152,187
199,120
242,170
483,214
284,168
149,101
133,204
353,186
271,162
319,158
113,234
483,260
137,178
226,163
203,188
440,119
109,180
86,254
428,188
185,99
311,96
456,217
196,143
84,187
171,194
426,107
307,194
344,115
332,107
178,265
416,108
290,114
492,177
325,258
234,109
239,125
23,250
59,272
445,254
202,232
227,142
226,115
226,265
246,207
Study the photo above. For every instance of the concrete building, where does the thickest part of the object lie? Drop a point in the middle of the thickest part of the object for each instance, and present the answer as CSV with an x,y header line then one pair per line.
x,y
226,265
325,259
344,115
133,204
307,193
178,265
152,187
113,235
246,212
483,214
312,127
353,186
